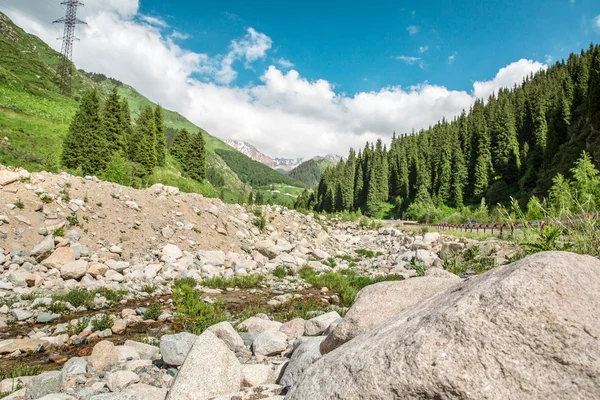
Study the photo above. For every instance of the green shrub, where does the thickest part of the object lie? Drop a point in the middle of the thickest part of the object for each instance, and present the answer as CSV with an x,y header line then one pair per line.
x,y
280,272
260,223
19,204
19,370
76,297
78,327
188,281
111,295
153,312
367,253
60,232
102,323
194,315
149,288
57,307
242,282
73,220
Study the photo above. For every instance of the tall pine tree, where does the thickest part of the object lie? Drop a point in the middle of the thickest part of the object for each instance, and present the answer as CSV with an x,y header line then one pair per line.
x,y
161,139
145,135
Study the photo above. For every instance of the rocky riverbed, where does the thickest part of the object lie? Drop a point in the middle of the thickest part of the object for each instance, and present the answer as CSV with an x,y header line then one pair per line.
x,y
109,292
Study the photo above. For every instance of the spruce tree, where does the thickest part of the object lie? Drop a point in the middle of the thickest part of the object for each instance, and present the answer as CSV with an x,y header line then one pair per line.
x,y
180,146
145,135
127,129
85,146
113,124
196,158
161,139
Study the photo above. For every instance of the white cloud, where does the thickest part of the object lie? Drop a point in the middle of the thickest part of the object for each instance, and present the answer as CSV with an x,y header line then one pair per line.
x,y
412,29
548,59
423,49
597,22
451,58
179,35
284,63
159,22
412,60
507,77
284,114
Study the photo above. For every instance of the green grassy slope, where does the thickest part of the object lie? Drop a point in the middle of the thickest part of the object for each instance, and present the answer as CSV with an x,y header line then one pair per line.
x,y
34,117
309,172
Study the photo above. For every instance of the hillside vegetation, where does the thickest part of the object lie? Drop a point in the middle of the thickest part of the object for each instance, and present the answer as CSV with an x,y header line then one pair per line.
x,y
518,143
35,118
309,172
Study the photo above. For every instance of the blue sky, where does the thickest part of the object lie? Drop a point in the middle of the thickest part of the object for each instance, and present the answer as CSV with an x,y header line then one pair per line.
x,y
354,44
299,79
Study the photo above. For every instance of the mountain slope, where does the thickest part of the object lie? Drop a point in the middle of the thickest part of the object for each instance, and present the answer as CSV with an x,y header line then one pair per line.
x,y
35,118
282,164
309,172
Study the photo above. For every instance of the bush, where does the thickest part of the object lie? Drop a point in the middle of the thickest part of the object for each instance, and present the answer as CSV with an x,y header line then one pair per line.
x,y
102,323
19,204
260,223
78,327
119,170
76,297
153,312
187,281
242,282
194,315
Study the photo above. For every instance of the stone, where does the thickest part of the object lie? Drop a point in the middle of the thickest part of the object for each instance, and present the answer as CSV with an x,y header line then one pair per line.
x,y
117,381
425,257
145,351
74,270
259,325
97,269
117,396
8,177
119,327
60,257
57,396
172,252
225,332
167,232
317,325
114,276
431,237
320,254
126,353
381,301
209,370
21,315
43,384
174,348
524,330
216,258
75,366
268,249
43,249
269,343
305,354
103,355
293,329
256,375
23,219
44,317
146,392
22,345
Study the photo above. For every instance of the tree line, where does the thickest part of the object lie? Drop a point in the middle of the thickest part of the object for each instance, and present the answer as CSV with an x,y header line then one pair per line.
x,y
514,144
103,140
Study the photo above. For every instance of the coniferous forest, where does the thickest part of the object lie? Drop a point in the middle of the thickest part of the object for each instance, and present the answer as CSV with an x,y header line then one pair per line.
x,y
103,140
513,144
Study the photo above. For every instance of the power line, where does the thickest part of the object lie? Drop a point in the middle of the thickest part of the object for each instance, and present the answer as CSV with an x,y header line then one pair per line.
x,y
65,68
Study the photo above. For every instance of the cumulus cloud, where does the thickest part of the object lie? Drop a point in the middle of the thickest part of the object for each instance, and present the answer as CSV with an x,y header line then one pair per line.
x,y
284,63
412,30
159,22
284,114
507,77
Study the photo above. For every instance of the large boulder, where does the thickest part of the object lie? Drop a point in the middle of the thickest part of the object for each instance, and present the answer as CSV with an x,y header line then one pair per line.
x,y
259,325
209,370
60,257
381,301
103,355
175,348
269,343
305,354
74,270
225,332
43,384
317,325
525,330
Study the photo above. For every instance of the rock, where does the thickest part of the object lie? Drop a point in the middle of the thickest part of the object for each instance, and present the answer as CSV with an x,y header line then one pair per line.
x,y
57,396
8,177
44,317
119,327
146,392
60,257
225,332
305,354
117,396
114,276
269,343
172,252
74,270
425,257
174,348
451,249
146,351
22,345
380,302
43,384
317,325
524,330
104,353
431,237
259,325
17,279
293,329
126,353
75,366
216,258
256,375
43,249
209,370
97,269
117,381
21,315
320,254
167,232
268,249
23,219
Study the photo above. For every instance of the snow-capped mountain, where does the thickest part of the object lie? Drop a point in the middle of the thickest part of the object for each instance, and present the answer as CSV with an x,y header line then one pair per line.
x,y
283,164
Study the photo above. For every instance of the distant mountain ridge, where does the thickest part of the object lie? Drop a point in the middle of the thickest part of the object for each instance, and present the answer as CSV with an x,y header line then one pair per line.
x,y
280,164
